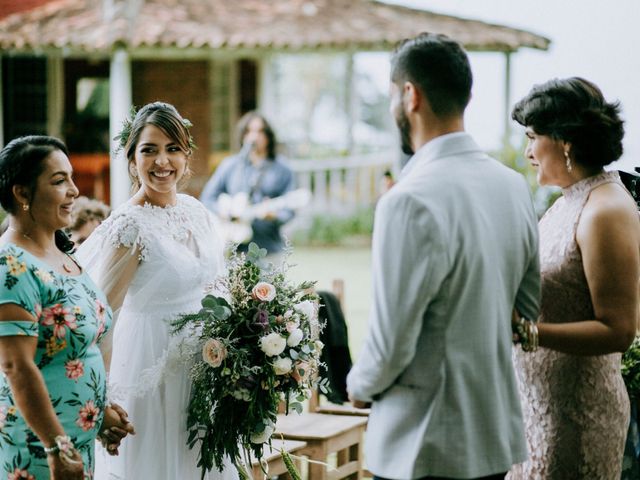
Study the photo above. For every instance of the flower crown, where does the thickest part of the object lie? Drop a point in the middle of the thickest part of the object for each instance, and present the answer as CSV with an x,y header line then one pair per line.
x,y
127,125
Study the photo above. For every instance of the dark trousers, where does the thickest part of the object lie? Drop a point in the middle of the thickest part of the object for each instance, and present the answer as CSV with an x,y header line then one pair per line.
x,y
498,476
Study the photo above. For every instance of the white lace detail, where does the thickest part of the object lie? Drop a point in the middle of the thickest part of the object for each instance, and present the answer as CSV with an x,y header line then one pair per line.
x,y
178,356
114,394
121,229
134,226
175,250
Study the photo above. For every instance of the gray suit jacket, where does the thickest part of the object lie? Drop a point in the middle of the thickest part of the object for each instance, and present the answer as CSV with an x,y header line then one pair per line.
x,y
455,248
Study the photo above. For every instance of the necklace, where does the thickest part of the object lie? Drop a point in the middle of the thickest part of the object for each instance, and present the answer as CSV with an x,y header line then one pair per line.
x,y
65,267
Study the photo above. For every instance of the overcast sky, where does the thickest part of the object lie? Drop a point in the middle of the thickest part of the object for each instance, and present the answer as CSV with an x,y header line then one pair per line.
x,y
596,39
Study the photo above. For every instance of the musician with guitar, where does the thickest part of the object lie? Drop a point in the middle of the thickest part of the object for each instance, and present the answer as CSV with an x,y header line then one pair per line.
x,y
251,192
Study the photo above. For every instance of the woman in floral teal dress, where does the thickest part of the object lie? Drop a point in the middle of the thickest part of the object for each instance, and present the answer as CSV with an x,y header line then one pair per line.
x,y
52,317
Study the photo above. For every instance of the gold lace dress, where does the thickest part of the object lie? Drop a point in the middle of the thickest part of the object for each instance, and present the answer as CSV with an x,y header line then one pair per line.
x,y
576,408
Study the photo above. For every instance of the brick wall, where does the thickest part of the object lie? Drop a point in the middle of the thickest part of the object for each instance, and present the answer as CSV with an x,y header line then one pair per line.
x,y
184,84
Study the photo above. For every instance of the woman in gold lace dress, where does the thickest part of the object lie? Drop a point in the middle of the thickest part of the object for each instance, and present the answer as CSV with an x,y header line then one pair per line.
x,y
575,403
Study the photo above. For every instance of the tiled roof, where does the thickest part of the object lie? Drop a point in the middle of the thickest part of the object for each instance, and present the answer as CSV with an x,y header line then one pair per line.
x,y
7,7
98,25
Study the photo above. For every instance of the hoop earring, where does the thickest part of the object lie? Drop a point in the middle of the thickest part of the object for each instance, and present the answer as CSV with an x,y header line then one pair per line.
x,y
25,207
568,162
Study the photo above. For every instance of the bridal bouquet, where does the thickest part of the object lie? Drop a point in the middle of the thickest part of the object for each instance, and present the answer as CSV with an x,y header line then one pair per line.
x,y
259,344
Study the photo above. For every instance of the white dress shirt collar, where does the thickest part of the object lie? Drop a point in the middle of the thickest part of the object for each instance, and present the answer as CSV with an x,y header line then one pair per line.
x,y
448,144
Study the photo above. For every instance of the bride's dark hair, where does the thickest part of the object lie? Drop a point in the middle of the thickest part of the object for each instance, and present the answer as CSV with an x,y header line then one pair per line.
x,y
163,116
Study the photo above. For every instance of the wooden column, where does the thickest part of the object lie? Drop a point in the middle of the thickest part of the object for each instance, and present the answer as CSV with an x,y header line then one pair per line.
x,y
55,95
350,100
119,106
267,91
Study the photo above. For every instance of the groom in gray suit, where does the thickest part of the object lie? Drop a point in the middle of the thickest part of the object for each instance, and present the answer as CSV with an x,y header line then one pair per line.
x,y
455,249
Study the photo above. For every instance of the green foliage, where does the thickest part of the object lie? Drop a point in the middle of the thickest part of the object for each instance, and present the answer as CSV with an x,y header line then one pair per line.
x,y
631,369
255,254
543,197
327,230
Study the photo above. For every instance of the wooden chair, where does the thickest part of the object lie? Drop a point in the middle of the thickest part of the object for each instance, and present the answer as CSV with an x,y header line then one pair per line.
x,y
273,457
326,433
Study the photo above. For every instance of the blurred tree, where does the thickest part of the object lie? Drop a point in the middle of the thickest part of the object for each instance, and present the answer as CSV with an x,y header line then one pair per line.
x,y
543,196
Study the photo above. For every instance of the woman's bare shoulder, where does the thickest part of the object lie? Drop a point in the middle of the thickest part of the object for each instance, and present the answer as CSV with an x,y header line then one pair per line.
x,y
609,206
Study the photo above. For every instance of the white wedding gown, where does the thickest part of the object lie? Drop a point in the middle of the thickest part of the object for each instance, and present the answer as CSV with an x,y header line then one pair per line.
x,y
153,263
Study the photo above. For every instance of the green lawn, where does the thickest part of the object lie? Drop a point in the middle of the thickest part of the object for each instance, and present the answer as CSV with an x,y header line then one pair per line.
x,y
353,265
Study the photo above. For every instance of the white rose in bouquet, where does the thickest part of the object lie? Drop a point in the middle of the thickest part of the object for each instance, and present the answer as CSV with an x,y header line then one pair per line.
x,y
295,337
273,344
306,308
282,365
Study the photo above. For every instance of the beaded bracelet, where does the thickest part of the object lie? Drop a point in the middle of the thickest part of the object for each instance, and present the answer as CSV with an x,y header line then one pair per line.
x,y
64,449
527,331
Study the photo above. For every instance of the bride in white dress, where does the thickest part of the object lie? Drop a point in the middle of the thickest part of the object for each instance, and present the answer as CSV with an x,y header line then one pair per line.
x,y
153,257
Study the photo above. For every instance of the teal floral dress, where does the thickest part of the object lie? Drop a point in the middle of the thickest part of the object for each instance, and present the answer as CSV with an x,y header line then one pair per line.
x,y
72,318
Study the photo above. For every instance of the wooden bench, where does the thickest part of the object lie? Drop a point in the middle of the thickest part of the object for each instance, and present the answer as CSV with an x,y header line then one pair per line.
x,y
344,409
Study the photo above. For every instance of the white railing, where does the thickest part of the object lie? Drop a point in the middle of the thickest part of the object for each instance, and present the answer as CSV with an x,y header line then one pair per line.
x,y
343,184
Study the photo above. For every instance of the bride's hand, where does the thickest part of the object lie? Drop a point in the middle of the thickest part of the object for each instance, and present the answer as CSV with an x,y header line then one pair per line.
x,y
115,427
515,321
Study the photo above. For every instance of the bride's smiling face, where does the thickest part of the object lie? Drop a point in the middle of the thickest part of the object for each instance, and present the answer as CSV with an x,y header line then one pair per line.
x,y
159,162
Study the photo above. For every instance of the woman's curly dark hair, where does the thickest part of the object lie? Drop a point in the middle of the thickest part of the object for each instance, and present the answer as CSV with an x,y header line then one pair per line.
x,y
575,111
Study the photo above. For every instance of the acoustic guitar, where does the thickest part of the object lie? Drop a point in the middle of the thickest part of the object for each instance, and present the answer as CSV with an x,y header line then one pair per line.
x,y
236,212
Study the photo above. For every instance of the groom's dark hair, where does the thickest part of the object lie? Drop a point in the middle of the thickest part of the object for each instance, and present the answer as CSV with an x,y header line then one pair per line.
x,y
439,67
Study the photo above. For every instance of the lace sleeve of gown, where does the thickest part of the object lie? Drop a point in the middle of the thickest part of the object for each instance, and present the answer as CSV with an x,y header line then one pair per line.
x,y
111,256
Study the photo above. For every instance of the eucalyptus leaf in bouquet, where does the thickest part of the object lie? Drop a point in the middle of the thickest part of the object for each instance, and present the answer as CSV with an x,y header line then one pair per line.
x,y
260,347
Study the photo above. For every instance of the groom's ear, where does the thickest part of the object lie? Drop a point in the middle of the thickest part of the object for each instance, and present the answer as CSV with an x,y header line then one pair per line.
x,y
411,96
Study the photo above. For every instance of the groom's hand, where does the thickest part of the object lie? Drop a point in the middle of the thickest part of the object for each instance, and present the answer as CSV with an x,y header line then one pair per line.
x,y
115,427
